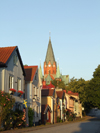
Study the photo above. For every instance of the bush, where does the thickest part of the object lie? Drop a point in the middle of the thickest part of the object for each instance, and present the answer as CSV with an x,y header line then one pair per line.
x,y
15,119
6,105
58,119
70,116
30,116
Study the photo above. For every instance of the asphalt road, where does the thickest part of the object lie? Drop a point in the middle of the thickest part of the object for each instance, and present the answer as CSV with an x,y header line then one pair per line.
x,y
92,126
87,125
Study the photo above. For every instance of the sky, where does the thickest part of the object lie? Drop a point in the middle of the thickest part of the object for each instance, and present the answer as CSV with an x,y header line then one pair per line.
x,y
75,32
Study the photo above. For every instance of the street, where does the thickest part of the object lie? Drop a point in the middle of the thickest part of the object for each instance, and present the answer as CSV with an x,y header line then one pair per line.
x,y
92,126
88,125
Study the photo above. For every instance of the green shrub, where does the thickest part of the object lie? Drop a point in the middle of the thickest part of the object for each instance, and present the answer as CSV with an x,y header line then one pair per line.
x,y
30,116
6,105
58,119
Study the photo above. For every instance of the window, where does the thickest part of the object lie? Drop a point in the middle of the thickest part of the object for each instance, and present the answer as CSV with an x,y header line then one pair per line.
x,y
11,82
15,59
47,115
18,84
37,111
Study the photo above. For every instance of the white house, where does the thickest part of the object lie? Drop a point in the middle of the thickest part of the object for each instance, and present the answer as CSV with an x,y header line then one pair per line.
x,y
33,86
12,74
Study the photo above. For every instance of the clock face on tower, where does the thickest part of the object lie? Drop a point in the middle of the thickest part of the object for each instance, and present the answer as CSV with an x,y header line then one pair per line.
x,y
49,65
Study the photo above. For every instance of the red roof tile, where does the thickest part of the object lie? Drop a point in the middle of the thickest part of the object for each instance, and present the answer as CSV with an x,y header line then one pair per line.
x,y
5,53
72,93
48,86
30,72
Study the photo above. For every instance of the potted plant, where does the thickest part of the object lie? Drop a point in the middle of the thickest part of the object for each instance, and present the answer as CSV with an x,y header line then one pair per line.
x,y
20,93
12,90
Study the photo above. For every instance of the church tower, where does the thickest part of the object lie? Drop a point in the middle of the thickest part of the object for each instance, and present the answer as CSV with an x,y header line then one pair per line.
x,y
50,63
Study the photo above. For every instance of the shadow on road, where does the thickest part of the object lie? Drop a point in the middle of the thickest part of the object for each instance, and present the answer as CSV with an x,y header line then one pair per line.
x,y
92,125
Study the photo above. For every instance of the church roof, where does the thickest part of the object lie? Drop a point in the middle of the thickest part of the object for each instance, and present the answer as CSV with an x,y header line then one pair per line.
x,y
50,54
40,71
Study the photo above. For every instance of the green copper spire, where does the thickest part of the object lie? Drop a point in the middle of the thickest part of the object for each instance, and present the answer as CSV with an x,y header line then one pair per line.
x,y
48,79
58,75
40,72
50,54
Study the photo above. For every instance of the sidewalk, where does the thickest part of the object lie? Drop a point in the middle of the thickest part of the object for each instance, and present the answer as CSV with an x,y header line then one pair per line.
x,y
27,129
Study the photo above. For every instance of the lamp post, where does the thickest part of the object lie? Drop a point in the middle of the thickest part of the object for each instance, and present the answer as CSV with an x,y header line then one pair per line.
x,y
34,101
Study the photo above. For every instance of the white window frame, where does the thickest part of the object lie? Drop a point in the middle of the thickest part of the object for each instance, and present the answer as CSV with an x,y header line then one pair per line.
x,y
18,84
11,82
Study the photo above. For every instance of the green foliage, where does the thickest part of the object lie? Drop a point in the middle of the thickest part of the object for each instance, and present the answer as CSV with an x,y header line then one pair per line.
x,y
19,118
79,86
89,91
6,105
70,116
30,116
58,119
59,84
15,119
93,91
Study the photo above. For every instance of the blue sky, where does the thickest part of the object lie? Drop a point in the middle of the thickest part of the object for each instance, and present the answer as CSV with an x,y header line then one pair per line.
x,y
74,26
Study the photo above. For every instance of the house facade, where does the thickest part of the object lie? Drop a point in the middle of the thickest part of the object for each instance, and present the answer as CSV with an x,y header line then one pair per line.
x,y
49,98
33,86
12,74
74,104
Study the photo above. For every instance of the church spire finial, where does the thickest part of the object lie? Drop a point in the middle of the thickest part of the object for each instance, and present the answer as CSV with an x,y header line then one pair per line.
x,y
58,61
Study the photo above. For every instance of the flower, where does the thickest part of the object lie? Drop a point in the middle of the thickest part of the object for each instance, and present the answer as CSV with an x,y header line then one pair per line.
x,y
13,90
21,92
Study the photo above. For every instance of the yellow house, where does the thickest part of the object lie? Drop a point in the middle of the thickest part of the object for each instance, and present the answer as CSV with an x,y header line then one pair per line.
x,y
49,106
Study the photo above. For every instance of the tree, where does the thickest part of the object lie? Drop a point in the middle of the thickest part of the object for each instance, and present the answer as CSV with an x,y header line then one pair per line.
x,y
79,86
93,91
59,84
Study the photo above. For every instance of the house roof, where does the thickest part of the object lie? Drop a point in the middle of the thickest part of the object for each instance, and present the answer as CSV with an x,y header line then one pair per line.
x,y
30,72
72,93
48,86
60,94
47,92
51,85
6,54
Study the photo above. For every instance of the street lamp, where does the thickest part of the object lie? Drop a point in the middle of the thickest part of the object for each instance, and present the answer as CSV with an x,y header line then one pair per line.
x,y
34,100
